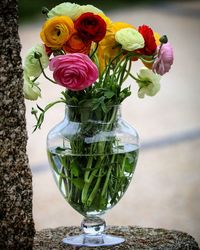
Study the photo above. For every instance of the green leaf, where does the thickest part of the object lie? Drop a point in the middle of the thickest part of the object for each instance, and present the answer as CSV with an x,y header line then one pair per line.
x,y
74,168
40,120
109,94
59,150
42,110
128,165
78,182
104,108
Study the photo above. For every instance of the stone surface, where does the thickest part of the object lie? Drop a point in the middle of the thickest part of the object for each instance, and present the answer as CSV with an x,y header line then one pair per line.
x,y
16,223
136,238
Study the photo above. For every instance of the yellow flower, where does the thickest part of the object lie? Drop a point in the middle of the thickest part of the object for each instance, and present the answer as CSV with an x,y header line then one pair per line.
x,y
157,38
121,25
56,31
109,37
105,18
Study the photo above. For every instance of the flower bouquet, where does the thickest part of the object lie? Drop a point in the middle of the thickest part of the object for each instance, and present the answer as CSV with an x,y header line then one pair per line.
x,y
93,151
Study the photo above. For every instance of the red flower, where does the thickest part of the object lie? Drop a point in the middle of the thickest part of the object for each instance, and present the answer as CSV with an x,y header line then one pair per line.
x,y
150,42
91,27
48,50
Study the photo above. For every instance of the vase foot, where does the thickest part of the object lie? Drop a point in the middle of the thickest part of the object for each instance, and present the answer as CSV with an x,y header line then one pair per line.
x,y
93,241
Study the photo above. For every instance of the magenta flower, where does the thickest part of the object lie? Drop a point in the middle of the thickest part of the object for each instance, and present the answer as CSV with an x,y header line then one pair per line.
x,y
74,71
164,60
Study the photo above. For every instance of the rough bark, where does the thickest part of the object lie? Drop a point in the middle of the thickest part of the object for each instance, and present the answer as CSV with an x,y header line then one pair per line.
x,y
16,222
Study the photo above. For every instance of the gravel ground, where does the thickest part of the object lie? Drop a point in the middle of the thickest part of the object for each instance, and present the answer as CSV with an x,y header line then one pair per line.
x,y
165,189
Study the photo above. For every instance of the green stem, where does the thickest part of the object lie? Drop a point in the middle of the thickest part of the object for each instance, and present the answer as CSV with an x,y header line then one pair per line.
x,y
116,68
60,178
146,61
87,172
44,72
132,76
95,190
105,186
66,164
127,72
109,65
97,45
122,167
87,185
40,119
123,72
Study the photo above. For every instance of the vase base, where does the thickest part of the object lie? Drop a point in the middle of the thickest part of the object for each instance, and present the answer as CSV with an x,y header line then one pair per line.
x,y
93,241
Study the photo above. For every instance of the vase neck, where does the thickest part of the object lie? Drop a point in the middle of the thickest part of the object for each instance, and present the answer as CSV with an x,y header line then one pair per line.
x,y
107,114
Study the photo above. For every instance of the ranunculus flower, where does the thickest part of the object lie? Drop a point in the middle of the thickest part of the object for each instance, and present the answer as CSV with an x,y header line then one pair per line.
x,y
112,28
71,10
157,40
74,71
30,88
90,8
31,64
91,27
164,60
130,39
108,48
75,44
122,25
56,31
149,83
149,39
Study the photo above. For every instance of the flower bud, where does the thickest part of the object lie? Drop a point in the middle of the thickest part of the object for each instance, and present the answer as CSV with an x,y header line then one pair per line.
x,y
37,55
32,65
163,39
45,11
34,111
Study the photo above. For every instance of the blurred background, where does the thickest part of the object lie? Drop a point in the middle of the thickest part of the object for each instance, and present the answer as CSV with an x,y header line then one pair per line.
x,y
165,189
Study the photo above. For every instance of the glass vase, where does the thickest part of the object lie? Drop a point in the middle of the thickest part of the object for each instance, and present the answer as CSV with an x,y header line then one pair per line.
x,y
93,154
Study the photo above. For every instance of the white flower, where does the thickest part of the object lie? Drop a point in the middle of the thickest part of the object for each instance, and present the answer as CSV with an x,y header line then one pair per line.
x,y
30,88
71,10
89,8
31,65
149,83
130,39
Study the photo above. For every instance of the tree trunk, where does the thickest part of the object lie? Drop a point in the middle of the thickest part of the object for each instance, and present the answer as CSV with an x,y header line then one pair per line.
x,y
16,222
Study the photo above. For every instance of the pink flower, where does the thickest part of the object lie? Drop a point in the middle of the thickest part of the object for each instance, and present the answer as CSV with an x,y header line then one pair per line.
x,y
164,60
74,71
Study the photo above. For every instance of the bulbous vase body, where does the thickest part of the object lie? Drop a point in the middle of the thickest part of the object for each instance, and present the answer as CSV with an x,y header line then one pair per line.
x,y
93,155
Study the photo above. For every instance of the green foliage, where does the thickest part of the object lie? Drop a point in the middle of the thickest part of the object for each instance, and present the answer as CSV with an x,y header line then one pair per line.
x,y
92,182
100,97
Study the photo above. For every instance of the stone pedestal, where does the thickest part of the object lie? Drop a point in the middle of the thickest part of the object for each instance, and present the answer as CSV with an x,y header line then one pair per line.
x,y
137,238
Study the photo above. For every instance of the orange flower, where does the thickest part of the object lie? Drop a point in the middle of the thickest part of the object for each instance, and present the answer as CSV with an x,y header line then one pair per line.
x,y
56,31
75,44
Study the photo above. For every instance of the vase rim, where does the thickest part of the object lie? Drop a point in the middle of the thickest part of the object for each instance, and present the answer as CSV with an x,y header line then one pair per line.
x,y
90,106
